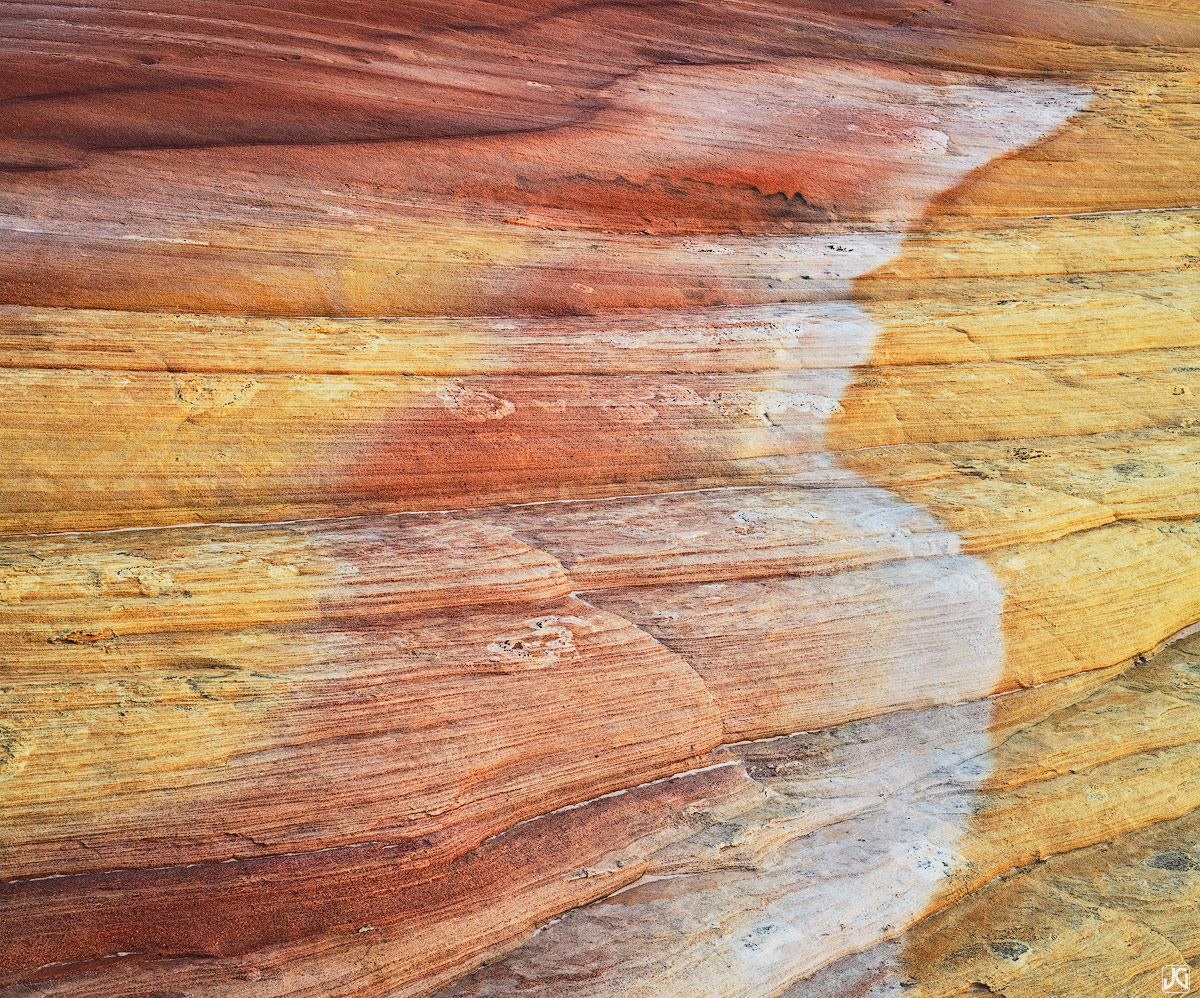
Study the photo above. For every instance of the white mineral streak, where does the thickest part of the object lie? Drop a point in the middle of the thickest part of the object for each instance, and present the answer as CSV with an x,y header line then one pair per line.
x,y
836,856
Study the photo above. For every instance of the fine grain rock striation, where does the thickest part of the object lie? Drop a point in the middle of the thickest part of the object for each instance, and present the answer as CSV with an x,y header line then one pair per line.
x,y
610,499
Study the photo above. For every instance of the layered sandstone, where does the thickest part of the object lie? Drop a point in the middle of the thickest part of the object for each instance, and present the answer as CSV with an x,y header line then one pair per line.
x,y
612,499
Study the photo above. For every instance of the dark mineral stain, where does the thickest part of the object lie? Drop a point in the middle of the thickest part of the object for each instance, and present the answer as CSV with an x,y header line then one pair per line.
x,y
1173,859
1010,949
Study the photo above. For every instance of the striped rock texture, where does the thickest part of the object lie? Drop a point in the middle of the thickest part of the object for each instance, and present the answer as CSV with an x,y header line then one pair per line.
x,y
680,499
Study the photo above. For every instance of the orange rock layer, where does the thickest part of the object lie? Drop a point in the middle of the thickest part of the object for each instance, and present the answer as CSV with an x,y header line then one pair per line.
x,y
548,499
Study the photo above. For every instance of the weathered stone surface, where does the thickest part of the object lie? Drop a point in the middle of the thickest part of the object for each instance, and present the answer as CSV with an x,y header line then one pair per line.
x,y
612,499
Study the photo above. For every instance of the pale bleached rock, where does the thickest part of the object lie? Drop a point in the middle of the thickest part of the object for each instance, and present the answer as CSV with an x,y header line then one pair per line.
x,y
669,375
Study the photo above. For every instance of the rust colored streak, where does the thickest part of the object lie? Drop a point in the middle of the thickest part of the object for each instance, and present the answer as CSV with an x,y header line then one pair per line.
x,y
228,909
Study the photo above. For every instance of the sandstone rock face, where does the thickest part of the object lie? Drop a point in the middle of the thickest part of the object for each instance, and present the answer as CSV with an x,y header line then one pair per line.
x,y
604,499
